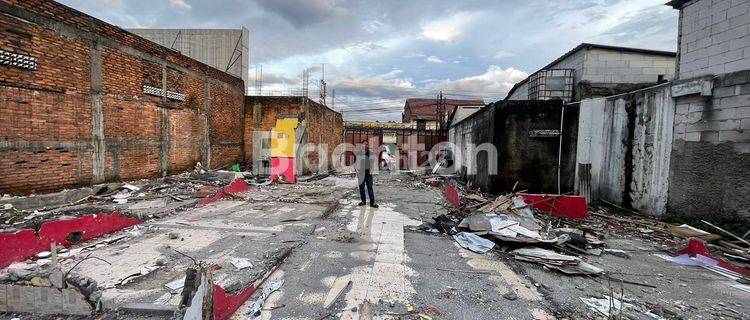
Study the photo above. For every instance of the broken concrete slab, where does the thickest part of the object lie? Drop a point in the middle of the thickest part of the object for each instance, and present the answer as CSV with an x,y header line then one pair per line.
x,y
49,200
18,298
149,204
153,309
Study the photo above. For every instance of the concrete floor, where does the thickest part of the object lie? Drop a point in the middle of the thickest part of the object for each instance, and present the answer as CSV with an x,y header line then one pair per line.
x,y
389,263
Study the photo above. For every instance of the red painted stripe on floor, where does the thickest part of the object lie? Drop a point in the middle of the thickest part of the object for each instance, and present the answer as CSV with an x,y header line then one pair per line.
x,y
25,243
225,305
237,186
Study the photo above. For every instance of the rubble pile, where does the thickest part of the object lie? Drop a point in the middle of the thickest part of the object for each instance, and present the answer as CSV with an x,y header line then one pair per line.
x,y
143,198
481,222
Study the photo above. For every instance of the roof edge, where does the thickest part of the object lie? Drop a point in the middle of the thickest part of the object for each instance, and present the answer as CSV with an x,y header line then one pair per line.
x,y
586,45
677,4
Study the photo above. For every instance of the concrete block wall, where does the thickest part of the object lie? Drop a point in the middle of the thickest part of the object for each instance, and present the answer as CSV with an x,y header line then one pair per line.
x,y
601,66
82,116
710,163
576,62
714,38
710,159
521,92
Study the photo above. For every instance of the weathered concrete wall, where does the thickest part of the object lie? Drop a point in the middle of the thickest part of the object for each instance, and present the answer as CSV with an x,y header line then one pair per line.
x,y
82,115
472,162
317,124
714,37
530,161
624,145
710,163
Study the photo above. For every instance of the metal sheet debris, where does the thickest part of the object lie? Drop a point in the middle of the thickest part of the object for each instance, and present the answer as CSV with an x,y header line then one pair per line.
x,y
553,260
473,242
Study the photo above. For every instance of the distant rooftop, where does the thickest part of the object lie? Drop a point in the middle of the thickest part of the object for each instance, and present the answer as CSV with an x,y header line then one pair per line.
x,y
589,46
421,108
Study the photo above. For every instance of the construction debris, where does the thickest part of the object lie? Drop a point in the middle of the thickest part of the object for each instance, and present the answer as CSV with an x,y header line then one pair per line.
x,y
508,218
473,242
566,264
240,263
254,312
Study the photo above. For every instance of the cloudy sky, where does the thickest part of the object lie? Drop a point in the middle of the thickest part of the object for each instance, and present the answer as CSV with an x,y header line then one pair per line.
x,y
379,52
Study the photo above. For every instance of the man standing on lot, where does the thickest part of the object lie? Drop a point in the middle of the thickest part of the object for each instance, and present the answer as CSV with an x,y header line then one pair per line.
x,y
364,163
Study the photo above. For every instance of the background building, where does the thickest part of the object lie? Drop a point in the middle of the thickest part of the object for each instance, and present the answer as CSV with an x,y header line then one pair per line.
x,y
425,114
595,70
223,49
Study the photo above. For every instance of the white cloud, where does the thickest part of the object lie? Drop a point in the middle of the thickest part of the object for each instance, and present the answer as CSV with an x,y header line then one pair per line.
x,y
502,54
386,85
180,5
448,29
495,82
434,59
413,55
460,59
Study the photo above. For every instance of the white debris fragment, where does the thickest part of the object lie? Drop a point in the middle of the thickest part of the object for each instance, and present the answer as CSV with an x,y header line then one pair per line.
x,y
176,284
240,263
130,187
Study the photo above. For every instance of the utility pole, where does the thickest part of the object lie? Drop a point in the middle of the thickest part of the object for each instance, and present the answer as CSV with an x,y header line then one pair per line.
x,y
323,84
258,79
305,81
333,99
441,110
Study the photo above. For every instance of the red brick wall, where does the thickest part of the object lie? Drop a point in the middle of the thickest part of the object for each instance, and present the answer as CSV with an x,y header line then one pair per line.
x,y
225,125
47,115
56,54
33,119
320,120
271,109
324,126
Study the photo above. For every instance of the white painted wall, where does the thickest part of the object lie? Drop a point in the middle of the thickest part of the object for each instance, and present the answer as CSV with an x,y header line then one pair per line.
x,y
602,143
590,144
652,149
